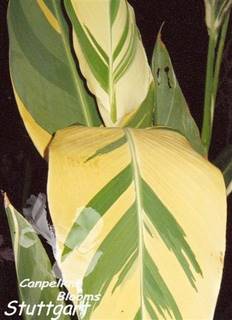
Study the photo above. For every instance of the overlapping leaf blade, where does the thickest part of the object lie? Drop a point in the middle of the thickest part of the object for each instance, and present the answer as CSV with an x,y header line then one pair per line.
x,y
171,109
43,70
128,232
112,59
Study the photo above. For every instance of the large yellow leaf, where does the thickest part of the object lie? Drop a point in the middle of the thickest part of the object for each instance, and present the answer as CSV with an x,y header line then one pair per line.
x,y
140,220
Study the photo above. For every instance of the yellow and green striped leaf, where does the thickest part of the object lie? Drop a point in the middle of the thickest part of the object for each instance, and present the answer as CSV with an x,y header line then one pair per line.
x,y
43,70
112,59
132,210
171,109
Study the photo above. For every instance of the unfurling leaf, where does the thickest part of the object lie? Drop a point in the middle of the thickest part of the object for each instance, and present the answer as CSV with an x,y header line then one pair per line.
x,y
112,59
171,109
215,13
132,210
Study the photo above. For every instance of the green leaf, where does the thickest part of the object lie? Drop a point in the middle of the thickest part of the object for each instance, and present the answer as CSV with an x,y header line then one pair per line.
x,y
171,109
32,262
224,162
43,70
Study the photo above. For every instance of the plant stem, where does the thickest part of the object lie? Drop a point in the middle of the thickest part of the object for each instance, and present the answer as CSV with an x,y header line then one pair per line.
x,y
220,54
214,61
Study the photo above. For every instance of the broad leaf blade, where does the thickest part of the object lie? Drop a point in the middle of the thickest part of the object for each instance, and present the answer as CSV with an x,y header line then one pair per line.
x,y
112,58
171,109
32,263
141,225
43,70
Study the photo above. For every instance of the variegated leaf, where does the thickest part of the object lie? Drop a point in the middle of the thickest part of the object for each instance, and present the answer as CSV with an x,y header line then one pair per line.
x,y
112,59
48,88
132,210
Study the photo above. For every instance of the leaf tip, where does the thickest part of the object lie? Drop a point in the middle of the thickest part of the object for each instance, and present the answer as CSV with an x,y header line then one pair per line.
x,y
161,28
6,199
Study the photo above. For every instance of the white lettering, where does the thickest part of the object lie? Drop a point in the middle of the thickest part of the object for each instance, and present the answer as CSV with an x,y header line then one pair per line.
x,y
11,306
24,283
61,296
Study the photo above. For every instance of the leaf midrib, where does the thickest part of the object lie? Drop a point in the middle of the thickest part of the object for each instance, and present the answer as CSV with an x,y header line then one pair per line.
x,y
84,105
139,208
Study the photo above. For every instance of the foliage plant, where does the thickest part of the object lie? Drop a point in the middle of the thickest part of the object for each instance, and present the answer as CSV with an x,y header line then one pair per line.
x,y
130,190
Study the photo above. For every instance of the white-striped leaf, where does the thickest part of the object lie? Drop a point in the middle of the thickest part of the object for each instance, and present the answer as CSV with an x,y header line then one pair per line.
x,y
112,59
132,210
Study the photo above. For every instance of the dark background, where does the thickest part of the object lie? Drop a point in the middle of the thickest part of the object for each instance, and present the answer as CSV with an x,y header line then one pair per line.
x,y
23,172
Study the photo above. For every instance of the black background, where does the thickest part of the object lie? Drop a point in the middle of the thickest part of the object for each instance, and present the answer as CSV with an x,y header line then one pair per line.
x,y
186,37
